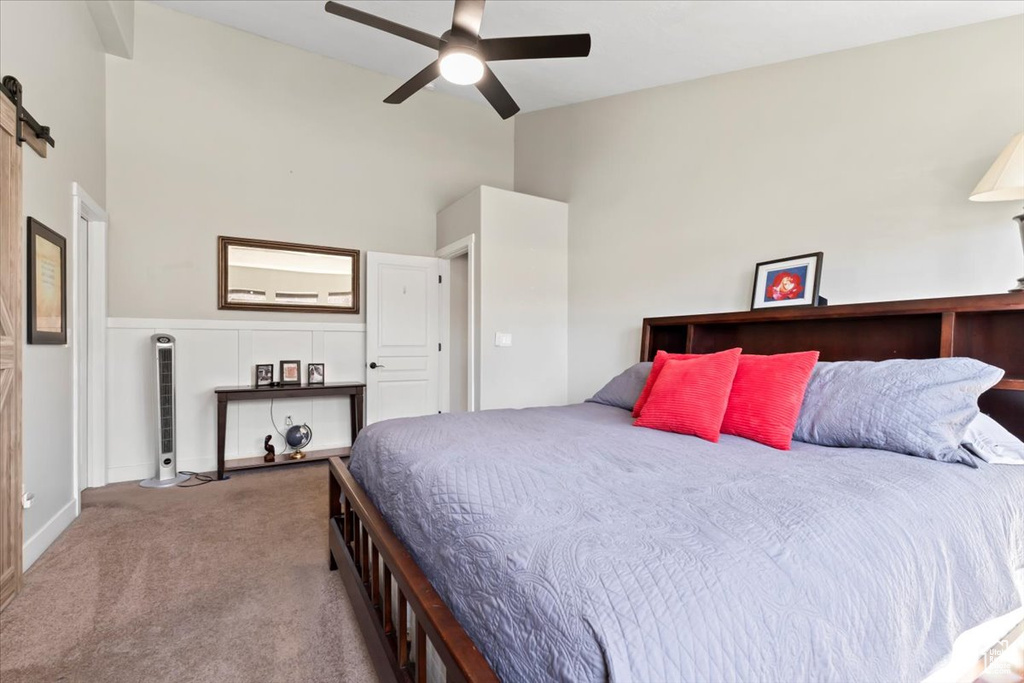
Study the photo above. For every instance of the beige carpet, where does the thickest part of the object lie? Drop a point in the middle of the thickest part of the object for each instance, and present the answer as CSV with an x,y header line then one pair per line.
x,y
224,582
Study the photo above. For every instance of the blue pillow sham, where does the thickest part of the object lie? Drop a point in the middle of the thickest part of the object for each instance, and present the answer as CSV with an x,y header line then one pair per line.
x,y
624,389
917,407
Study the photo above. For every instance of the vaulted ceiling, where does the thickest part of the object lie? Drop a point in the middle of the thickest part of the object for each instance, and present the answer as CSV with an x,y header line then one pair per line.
x,y
636,43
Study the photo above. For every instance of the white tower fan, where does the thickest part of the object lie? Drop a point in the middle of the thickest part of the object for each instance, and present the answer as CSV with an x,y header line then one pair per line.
x,y
166,416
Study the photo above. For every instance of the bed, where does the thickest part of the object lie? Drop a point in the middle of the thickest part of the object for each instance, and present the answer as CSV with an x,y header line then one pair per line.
x,y
565,544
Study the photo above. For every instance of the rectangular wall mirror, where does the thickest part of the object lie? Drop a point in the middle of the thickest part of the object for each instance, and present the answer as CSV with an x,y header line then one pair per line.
x,y
260,275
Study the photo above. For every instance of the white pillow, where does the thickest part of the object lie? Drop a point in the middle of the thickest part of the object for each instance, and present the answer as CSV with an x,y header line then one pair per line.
x,y
990,441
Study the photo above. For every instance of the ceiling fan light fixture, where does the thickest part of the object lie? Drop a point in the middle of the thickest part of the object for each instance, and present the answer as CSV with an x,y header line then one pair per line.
x,y
462,66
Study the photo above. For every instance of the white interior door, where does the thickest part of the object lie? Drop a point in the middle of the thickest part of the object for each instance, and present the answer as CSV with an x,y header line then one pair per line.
x,y
402,336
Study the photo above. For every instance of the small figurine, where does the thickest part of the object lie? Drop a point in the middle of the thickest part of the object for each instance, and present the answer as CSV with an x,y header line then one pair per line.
x,y
269,448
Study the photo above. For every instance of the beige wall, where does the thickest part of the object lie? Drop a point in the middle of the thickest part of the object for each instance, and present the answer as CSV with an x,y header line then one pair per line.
x,y
219,132
867,155
54,50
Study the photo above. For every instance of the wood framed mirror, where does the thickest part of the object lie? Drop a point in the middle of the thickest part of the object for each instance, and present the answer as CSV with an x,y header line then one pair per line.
x,y
263,275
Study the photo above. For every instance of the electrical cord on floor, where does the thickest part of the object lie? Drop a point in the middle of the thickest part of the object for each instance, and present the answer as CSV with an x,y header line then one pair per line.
x,y
200,479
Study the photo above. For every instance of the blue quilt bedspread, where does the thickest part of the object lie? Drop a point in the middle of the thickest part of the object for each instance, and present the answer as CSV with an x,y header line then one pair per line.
x,y
573,546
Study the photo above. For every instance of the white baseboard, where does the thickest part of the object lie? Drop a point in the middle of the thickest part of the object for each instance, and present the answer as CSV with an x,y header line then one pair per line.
x,y
42,539
130,473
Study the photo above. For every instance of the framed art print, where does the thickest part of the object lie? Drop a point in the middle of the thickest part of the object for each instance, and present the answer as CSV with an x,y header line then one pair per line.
x,y
264,375
47,285
315,372
290,370
791,281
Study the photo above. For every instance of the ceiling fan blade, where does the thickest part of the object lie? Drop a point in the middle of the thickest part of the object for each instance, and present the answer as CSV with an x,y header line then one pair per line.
x,y
381,24
535,47
467,17
411,86
495,92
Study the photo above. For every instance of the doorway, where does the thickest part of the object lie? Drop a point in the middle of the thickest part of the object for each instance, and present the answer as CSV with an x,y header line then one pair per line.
x,y
458,325
458,332
89,341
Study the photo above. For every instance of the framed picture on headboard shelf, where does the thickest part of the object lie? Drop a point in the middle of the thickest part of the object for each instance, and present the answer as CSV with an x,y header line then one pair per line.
x,y
47,285
785,282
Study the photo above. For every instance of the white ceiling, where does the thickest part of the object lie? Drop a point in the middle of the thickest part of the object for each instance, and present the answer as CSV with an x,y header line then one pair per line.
x,y
636,43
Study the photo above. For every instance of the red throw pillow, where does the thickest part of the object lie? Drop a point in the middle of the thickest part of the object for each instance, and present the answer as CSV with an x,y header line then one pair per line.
x,y
691,395
766,397
659,362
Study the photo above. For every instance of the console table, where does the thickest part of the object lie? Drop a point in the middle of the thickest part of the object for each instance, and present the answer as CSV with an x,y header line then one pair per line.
x,y
355,392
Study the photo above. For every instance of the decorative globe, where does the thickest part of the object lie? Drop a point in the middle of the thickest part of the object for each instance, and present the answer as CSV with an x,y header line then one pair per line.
x,y
299,436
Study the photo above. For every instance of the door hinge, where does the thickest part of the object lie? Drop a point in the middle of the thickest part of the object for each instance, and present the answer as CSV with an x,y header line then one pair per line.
x,y
438,279
438,346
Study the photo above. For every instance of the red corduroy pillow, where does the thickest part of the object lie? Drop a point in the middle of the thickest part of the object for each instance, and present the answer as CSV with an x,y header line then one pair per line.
x,y
691,395
659,362
766,397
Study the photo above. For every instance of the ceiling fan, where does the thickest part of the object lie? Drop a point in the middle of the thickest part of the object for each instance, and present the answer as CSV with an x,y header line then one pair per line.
x,y
462,55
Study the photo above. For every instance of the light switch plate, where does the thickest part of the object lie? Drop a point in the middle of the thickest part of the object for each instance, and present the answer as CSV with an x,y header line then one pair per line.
x,y
503,339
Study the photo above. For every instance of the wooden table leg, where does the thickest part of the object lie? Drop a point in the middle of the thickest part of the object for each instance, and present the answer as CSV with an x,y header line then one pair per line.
x,y
356,417
222,425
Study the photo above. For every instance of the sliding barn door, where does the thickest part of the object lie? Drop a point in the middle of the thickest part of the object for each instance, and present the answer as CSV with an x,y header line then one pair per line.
x,y
11,338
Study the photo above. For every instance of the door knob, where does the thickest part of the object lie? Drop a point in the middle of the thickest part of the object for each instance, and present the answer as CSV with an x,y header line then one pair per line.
x,y
374,366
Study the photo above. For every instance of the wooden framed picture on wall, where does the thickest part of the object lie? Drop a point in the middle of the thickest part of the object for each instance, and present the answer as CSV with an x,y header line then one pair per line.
x,y
47,285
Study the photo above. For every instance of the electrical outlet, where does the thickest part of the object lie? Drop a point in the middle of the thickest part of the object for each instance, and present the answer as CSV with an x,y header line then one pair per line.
x,y
503,339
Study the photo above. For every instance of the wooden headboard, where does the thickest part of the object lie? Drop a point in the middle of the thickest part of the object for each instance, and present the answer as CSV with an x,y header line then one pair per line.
x,y
989,328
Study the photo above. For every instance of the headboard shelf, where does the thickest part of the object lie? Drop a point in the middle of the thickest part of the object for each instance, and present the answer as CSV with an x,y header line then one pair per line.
x,y
989,328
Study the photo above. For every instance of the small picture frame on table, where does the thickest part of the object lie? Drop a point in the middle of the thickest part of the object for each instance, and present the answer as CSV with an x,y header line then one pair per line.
x,y
291,371
264,375
47,285
315,373
786,282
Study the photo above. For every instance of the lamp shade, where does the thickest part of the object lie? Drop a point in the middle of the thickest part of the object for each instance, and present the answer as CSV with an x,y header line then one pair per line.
x,y
1005,180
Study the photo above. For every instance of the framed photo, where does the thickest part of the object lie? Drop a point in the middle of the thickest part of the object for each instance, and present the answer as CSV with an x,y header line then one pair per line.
x,y
290,371
264,375
315,372
792,281
47,285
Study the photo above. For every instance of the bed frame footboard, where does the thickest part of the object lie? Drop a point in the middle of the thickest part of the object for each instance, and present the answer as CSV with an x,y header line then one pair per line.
x,y
385,585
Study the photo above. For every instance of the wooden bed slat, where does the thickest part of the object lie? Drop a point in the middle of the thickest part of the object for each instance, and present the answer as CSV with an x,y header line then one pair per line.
x,y
389,627
421,654
403,630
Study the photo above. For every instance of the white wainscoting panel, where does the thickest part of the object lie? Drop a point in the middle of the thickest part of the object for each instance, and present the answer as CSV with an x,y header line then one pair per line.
x,y
213,353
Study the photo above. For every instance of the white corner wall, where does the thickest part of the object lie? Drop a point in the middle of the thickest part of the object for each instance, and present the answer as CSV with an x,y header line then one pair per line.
x,y
521,289
867,154
524,255
54,50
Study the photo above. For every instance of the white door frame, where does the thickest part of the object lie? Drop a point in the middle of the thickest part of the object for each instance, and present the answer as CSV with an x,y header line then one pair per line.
x,y
466,245
92,364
